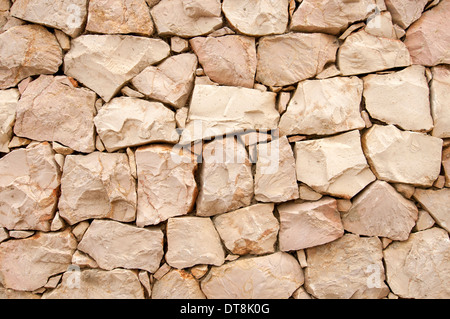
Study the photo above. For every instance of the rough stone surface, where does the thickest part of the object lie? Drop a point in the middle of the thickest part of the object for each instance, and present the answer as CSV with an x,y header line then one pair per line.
x,y
424,221
8,107
436,203
440,97
177,284
404,13
446,165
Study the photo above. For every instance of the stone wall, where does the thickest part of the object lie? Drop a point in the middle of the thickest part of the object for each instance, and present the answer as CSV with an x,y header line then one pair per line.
x,y
224,149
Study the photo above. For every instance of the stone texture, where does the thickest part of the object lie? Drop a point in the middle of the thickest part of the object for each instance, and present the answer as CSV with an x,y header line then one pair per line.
x,y
51,109
68,16
380,211
436,203
402,157
424,221
8,107
404,13
250,230
446,165
420,267
440,97
275,178
97,185
14,294
334,165
226,180
119,16
29,182
228,60
166,184
35,51
116,245
177,284
257,17
309,224
127,121
365,53
187,18
323,107
41,256
104,63
299,56
400,98
219,110
380,25
202,246
427,40
350,267
171,82
83,260
99,284
307,193
274,276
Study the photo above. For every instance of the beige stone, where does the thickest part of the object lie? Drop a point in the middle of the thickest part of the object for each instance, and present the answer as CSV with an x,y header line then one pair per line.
x,y
3,234
334,165
202,246
228,60
127,91
440,182
405,189
83,260
307,193
35,51
257,17
348,268
166,184
162,271
301,293
21,234
97,185
14,294
221,32
178,44
344,205
250,230
177,284
436,203
127,121
309,224
63,40
119,16
51,109
272,276
29,183
401,156
144,279
324,107
41,256
446,165
181,117
199,271
283,101
18,142
404,13
440,97
170,82
420,267
365,53
187,18
8,107
301,256
80,229
380,211
380,25
104,63
424,221
298,56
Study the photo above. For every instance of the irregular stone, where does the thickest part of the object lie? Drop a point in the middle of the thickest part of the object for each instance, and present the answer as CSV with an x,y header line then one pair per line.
x,y
128,121
21,234
3,234
322,107
380,25
104,63
162,271
329,71
97,185
166,184
257,17
171,82
14,294
144,279
402,157
80,229
404,13
29,183
226,180
83,260
63,40
440,182
301,256
221,32
177,284
181,117
309,224
307,193
132,162
299,56
178,44
399,32
350,30
405,101
61,149
68,16
424,221
219,110
23,59
283,101
440,97
187,18
272,276
446,165
98,284
275,179
116,245
18,142
420,267
53,281
41,256
202,246
301,293
427,40
350,267
405,189
127,91
380,211
119,16
250,230
436,203
8,107
365,53
199,271
334,165
228,60
50,109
